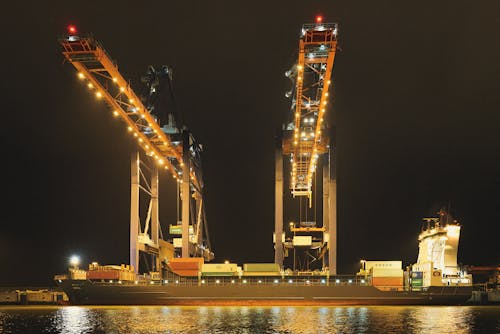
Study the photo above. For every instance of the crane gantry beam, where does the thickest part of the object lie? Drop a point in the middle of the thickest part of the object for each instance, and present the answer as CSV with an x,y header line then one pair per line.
x,y
102,75
305,140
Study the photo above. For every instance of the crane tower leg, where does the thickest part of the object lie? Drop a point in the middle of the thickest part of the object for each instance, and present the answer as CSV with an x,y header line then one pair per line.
x,y
186,196
155,221
134,211
278,218
326,202
332,218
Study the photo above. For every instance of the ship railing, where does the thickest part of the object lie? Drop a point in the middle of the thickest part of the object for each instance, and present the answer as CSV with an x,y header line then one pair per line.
x,y
339,280
268,281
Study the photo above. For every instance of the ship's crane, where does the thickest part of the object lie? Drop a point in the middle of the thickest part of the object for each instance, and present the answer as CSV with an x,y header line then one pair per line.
x,y
304,140
166,146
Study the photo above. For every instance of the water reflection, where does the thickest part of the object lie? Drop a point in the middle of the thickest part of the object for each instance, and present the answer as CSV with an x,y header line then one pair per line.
x,y
296,320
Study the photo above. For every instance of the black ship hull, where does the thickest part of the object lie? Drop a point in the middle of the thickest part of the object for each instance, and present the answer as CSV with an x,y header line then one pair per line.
x,y
91,293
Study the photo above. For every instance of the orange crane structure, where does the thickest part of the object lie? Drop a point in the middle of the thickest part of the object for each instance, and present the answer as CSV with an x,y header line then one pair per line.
x,y
164,146
304,139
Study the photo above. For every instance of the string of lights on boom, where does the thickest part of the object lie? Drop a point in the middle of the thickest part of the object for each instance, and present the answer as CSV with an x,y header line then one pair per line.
x,y
102,76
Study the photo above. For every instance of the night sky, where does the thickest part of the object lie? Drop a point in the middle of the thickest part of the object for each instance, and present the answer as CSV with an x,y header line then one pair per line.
x,y
416,107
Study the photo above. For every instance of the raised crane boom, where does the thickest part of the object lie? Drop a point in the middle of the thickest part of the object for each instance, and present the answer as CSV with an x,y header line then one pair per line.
x,y
304,140
94,65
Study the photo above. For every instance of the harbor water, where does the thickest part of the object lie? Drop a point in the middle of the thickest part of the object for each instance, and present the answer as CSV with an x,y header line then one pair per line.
x,y
290,320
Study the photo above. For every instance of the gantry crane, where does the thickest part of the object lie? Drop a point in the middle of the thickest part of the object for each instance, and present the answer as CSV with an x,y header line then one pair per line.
x,y
304,139
164,144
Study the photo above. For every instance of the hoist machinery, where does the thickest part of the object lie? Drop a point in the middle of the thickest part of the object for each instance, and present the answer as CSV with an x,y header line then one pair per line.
x,y
163,144
305,141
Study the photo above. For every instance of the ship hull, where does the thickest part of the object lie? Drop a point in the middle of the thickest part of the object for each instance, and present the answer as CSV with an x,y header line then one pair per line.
x,y
89,293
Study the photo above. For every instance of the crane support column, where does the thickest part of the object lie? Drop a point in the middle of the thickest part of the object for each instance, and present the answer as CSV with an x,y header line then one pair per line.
x,y
332,219
134,211
155,220
326,199
278,218
186,195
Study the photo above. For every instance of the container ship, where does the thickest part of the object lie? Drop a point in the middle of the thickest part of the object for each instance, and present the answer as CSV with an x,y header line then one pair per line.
x,y
435,279
179,273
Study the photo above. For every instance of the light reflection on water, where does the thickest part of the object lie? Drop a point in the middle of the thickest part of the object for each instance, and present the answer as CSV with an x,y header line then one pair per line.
x,y
150,319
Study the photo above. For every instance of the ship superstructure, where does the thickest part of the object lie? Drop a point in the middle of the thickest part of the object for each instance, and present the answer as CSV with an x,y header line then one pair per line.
x,y
438,252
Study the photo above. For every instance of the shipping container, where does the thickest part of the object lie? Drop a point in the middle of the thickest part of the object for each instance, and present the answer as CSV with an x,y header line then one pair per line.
x,y
9,297
219,267
387,281
417,274
382,265
261,273
302,240
264,267
386,272
417,281
103,275
40,296
185,272
177,229
186,264
78,274
227,273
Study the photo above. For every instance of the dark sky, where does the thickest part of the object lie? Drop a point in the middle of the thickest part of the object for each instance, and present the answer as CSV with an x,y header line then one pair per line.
x,y
416,110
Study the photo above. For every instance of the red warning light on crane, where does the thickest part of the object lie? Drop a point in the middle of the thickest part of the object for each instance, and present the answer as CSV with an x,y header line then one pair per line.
x,y
319,19
72,29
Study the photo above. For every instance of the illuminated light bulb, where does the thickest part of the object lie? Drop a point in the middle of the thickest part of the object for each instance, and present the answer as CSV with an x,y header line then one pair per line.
x,y
143,115
129,128
98,95
90,85
299,78
131,100
328,82
115,113
140,140
322,110
300,67
295,143
324,102
182,164
166,167
147,147
115,80
81,75
161,162
297,114
122,89
135,134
